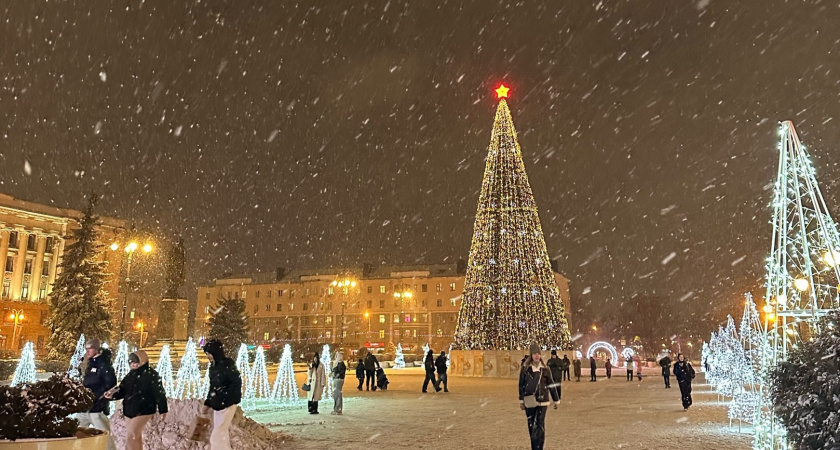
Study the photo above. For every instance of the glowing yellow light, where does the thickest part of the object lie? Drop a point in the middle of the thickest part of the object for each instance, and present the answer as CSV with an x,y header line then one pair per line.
x,y
352,284
502,91
790,331
131,247
147,248
114,246
831,257
801,284
367,314
408,295
771,317
768,308
396,295
20,316
335,283
12,316
781,299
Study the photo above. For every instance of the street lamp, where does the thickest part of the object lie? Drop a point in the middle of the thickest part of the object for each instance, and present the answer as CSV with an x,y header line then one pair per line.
x,y
16,317
130,248
143,333
345,285
367,316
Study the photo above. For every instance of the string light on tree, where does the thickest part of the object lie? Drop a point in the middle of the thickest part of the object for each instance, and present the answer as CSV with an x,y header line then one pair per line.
x,y
257,381
164,369
76,360
121,367
188,380
285,389
326,360
25,370
399,359
204,387
243,365
510,297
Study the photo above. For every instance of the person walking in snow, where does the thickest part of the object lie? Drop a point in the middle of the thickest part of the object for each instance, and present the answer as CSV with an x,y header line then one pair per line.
x,y
684,374
665,363
371,364
566,367
143,395
316,378
592,368
360,373
429,365
576,363
224,394
628,361
555,364
440,364
338,373
100,378
608,366
537,390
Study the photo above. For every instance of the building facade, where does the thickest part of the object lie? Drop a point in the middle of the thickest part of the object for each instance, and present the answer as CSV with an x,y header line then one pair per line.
x,y
32,242
409,305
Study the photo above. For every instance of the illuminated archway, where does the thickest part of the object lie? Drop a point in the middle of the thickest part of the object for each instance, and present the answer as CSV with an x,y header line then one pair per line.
x,y
605,345
627,353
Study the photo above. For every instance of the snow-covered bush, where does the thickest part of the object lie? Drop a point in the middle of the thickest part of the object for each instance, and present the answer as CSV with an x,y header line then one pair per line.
x,y
806,389
42,409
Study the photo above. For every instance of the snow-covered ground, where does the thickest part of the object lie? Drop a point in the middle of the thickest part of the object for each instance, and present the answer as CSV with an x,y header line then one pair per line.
x,y
484,414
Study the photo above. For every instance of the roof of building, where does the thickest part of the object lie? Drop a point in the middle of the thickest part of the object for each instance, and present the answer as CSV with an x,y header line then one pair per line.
x,y
380,272
7,201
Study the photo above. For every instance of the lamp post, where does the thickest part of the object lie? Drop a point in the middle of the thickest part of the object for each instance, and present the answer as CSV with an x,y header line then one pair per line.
x,y
345,286
130,249
403,294
143,333
16,317
367,316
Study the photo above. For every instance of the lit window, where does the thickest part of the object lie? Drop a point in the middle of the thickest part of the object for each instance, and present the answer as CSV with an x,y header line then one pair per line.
x,y
396,318
265,336
268,307
131,316
307,292
382,318
381,288
440,332
452,286
268,293
291,306
257,294
329,319
381,334
408,318
414,332
206,310
330,291
439,287
453,301
329,334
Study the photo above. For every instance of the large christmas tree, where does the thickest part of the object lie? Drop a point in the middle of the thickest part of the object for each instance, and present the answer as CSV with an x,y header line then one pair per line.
x,y
229,324
510,298
79,302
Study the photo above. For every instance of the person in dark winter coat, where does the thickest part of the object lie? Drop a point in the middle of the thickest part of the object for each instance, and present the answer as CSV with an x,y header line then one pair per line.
x,y
371,363
684,374
555,364
142,394
592,368
567,365
338,373
608,366
99,377
537,390
440,364
224,394
665,363
360,373
577,368
429,365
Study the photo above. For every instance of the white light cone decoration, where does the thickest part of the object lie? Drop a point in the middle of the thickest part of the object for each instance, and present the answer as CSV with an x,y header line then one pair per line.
x,y
25,371
285,389
204,388
74,371
259,375
399,359
188,380
243,365
425,352
121,367
326,360
164,369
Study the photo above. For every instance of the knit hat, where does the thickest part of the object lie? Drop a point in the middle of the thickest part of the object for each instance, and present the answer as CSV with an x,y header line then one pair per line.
x,y
535,348
554,353
94,344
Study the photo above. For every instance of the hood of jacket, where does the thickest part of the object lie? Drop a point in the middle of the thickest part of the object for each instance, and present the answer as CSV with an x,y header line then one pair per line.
x,y
216,349
105,355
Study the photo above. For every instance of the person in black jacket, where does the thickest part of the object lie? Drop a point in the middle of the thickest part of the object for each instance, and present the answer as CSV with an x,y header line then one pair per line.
x,y
537,389
224,394
338,373
360,373
143,395
429,365
665,363
440,364
567,365
684,374
555,364
99,377
371,363
592,368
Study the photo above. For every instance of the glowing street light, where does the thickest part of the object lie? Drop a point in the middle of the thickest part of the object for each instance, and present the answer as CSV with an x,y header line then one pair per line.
x,y
115,246
147,248
801,284
831,257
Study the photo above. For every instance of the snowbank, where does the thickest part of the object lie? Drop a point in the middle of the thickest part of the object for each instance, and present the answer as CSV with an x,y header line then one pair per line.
x,y
171,434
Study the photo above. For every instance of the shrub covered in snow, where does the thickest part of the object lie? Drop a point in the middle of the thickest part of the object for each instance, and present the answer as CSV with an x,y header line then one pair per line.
x,y
40,410
806,389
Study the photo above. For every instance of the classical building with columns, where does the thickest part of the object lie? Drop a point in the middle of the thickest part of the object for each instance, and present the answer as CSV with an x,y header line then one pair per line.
x,y
32,241
410,305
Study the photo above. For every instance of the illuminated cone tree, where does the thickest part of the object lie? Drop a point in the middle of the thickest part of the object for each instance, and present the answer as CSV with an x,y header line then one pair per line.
x,y
510,298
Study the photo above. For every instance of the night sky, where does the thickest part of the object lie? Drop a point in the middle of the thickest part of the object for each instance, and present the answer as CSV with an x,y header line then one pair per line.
x,y
315,134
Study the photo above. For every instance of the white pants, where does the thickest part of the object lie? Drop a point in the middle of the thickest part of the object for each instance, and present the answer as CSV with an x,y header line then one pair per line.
x,y
220,437
100,422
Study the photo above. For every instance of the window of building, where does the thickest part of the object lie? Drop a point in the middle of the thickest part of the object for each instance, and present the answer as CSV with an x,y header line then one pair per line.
x,y
423,303
452,286
27,266
291,306
236,295
370,304
440,332
438,287
50,244
266,336
13,239
381,288
279,307
7,288
439,302
382,318
424,288
408,318
396,318
370,289
207,295
131,314
10,263
381,334
268,293
424,317
304,320
291,293
279,292
453,301
453,318
42,293
45,270
305,306
414,332
344,333
256,308
307,293
31,242
24,292
329,306
328,319
206,310
407,333
257,294
328,334
381,303
330,291
268,307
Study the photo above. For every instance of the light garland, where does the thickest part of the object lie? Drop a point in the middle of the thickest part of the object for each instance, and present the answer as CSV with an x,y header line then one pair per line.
x,y
399,359
25,370
188,381
326,360
164,369
285,389
121,367
605,345
243,364
510,297
74,371
257,380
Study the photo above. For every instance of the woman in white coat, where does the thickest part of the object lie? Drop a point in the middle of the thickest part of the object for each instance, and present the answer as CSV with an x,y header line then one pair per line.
x,y
316,378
